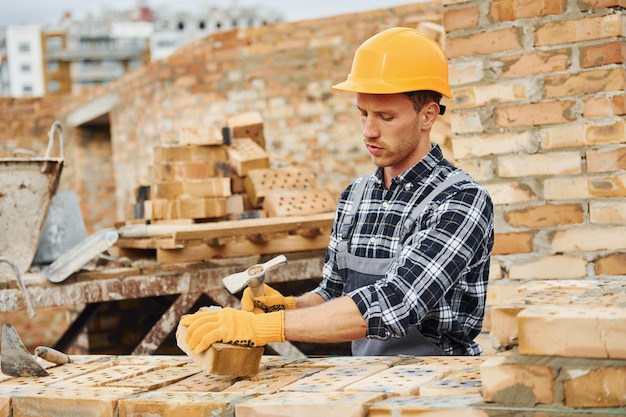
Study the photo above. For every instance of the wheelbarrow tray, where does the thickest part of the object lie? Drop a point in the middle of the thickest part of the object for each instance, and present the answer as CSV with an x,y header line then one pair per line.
x,y
27,186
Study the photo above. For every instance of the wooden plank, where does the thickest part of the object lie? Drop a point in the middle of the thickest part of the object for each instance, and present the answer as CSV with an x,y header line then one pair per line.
x,y
198,253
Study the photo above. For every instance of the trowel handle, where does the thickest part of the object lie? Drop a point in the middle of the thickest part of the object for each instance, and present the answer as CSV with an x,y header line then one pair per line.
x,y
52,355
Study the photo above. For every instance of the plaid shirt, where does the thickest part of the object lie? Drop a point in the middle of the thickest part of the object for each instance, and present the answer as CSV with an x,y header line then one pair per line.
x,y
439,279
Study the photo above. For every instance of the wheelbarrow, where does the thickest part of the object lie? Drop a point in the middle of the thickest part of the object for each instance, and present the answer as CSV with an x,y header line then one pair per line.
x,y
27,185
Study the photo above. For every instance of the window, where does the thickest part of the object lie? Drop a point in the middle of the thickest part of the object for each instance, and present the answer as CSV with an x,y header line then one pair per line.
x,y
181,26
27,89
52,66
134,64
201,25
25,68
24,47
54,43
54,87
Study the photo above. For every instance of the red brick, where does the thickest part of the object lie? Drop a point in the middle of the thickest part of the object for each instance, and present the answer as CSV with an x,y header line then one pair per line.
x,y
586,5
608,53
606,160
545,216
586,82
614,264
603,134
604,106
613,186
509,243
505,10
602,387
464,18
536,62
535,114
484,43
589,28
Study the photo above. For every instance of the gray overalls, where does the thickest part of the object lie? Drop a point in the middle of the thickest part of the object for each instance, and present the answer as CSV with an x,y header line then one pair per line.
x,y
358,272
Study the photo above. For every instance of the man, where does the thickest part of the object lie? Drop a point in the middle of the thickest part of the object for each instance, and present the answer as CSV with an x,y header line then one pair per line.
x,y
408,260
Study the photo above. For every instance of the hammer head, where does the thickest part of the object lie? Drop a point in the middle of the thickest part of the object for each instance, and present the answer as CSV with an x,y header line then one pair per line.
x,y
252,277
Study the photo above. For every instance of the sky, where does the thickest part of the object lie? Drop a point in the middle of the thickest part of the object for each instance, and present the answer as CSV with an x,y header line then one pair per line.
x,y
19,12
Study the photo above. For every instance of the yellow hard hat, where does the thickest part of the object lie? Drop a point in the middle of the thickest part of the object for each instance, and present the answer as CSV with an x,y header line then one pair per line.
x,y
398,60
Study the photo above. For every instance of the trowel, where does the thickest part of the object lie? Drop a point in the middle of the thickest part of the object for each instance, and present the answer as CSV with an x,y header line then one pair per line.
x,y
15,360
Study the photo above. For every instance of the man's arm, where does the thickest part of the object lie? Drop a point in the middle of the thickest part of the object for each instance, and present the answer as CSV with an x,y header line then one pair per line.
x,y
318,321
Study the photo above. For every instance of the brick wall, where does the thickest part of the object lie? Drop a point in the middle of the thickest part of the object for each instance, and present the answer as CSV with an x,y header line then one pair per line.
x,y
538,118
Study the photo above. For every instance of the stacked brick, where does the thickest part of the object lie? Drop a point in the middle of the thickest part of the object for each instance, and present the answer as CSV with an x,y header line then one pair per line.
x,y
225,174
568,347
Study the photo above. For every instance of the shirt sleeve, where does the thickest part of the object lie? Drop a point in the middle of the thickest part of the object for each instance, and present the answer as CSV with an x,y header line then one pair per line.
x,y
453,235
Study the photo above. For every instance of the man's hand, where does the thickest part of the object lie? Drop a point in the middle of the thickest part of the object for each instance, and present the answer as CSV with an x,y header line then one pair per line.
x,y
233,326
272,300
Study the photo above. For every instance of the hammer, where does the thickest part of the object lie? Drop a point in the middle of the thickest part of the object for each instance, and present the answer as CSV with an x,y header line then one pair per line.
x,y
253,277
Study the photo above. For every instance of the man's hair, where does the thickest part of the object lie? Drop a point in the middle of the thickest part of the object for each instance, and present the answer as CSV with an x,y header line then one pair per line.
x,y
421,97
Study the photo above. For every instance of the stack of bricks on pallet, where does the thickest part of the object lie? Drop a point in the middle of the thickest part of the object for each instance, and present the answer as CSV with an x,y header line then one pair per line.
x,y
567,346
168,386
220,176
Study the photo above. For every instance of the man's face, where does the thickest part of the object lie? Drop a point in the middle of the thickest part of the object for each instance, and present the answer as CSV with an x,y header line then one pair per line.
x,y
394,133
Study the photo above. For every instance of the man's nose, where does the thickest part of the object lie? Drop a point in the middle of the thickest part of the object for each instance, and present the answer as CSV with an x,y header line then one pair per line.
x,y
370,129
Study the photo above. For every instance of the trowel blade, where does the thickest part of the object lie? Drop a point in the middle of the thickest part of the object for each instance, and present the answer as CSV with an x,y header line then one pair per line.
x,y
14,358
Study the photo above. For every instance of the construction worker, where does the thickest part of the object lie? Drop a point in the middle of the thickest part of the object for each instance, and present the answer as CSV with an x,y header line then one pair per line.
x,y
408,260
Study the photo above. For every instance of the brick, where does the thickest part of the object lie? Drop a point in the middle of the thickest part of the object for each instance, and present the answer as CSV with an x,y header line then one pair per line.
x,y
539,164
5,406
571,331
189,153
260,182
504,10
564,136
586,5
206,187
308,404
334,379
449,406
462,18
247,125
245,155
457,383
504,328
466,122
508,243
589,239
484,145
201,135
55,402
183,170
614,186
613,264
298,203
614,133
172,404
516,384
612,52
568,31
480,169
158,378
602,387
566,188
270,380
545,215
484,43
399,380
465,72
499,293
613,212
550,267
536,62
482,95
510,193
584,82
604,106
606,160
536,114
169,190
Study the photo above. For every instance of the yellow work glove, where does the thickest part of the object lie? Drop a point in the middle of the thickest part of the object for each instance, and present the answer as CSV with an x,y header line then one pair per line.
x,y
272,300
237,327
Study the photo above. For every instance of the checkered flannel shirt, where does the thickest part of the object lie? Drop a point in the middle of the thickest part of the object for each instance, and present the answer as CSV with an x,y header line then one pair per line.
x,y
439,281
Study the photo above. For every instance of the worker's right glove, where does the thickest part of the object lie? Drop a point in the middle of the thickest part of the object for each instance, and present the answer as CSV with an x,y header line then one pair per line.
x,y
237,327
272,300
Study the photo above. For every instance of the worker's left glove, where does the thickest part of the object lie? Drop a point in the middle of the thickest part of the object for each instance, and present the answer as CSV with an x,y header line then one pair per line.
x,y
237,327
271,300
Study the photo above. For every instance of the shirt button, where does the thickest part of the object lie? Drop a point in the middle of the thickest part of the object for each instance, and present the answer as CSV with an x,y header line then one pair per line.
x,y
372,239
385,205
407,186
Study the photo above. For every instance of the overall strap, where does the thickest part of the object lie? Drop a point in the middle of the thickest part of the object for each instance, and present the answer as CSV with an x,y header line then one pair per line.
x,y
348,220
449,181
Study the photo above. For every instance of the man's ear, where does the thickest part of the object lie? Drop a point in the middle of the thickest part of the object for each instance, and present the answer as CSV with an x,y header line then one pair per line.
x,y
430,112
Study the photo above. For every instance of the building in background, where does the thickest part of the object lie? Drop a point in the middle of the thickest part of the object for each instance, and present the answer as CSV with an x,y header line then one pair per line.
x,y
79,52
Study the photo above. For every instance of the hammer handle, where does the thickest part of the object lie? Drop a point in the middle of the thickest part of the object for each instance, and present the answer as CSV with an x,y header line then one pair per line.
x,y
257,291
